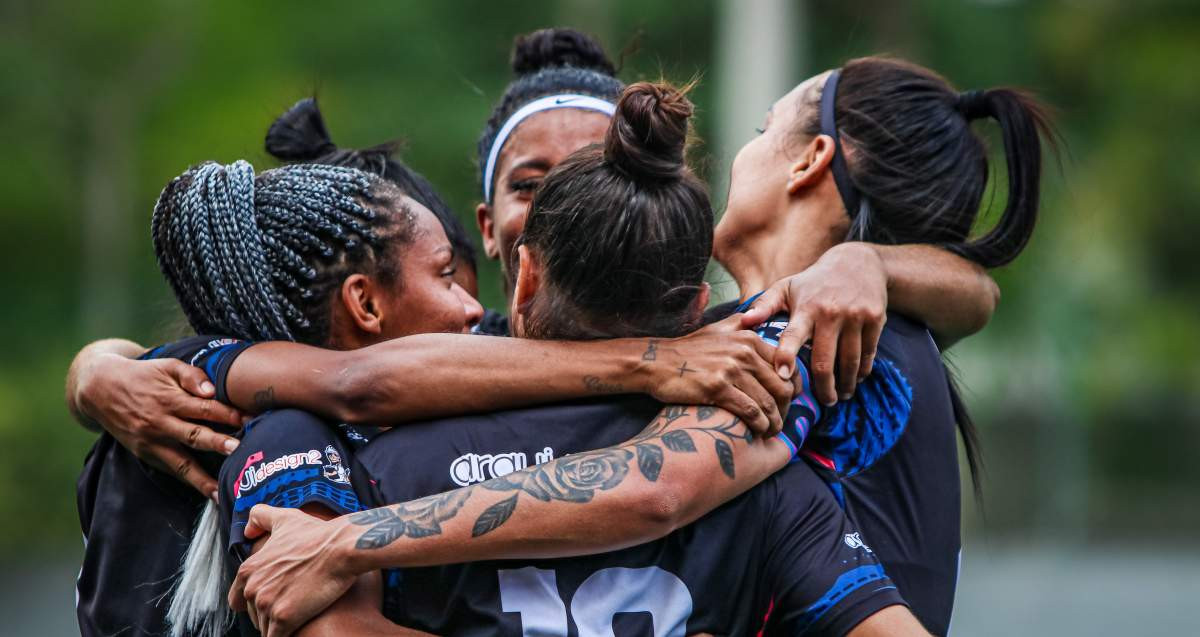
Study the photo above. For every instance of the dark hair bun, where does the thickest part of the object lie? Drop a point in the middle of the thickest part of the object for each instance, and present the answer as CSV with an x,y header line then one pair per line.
x,y
649,131
549,48
299,135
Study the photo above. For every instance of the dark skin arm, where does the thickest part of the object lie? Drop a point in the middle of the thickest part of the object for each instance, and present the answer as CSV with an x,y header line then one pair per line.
x,y
151,407
407,379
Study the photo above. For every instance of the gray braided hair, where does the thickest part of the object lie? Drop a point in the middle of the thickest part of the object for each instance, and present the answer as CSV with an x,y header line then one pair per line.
x,y
259,257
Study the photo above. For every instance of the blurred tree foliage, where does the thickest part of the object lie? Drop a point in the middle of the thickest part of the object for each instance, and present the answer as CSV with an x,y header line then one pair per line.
x,y
1086,383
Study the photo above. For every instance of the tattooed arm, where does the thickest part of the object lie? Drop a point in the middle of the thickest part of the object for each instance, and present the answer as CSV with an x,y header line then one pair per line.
x,y
687,462
407,379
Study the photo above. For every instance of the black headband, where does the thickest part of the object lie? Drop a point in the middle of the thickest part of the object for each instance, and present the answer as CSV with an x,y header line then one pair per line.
x,y
841,176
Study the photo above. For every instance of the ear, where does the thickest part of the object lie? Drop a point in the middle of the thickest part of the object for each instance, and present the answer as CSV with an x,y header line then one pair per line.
x,y
813,164
702,297
487,229
528,279
359,296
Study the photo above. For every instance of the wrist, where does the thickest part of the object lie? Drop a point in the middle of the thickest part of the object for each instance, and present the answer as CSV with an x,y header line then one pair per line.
x,y
635,364
343,555
861,254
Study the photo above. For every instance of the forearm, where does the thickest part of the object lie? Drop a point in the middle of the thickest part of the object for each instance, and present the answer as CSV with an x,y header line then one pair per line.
x,y
686,463
80,374
413,377
951,295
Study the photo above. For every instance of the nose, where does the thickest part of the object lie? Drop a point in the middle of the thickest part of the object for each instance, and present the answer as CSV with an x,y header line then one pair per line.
x,y
471,307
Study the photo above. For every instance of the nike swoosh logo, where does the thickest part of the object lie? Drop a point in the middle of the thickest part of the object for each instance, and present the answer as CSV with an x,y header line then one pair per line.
x,y
564,100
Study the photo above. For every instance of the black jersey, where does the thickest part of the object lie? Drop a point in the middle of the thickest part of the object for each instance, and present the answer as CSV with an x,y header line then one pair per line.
x,y
782,556
137,521
906,495
287,458
891,456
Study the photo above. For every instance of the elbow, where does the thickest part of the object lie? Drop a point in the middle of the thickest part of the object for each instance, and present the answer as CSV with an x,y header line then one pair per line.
x,y
989,299
661,510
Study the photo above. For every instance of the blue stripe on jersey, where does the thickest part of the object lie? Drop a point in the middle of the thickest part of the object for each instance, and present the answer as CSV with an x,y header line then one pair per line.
x,y
858,432
293,498
846,584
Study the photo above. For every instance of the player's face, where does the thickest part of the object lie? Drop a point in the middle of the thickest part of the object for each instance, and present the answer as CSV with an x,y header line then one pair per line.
x,y
536,146
426,298
760,171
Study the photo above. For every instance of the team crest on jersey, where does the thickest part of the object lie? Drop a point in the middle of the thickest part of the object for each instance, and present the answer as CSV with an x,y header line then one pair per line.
x,y
334,471
255,472
854,541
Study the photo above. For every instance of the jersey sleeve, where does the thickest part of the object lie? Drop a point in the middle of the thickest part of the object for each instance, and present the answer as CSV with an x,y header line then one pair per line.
x,y
822,576
213,354
287,458
804,411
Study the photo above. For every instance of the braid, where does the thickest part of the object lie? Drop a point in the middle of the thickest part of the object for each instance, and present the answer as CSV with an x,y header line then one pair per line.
x,y
259,258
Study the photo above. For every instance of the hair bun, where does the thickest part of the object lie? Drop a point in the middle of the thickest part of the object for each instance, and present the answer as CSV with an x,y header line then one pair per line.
x,y
649,131
549,48
299,135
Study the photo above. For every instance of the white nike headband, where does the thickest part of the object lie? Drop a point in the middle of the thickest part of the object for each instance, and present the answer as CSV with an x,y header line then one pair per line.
x,y
548,103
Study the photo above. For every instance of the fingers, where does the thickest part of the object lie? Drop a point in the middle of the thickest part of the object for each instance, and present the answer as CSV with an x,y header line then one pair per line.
x,y
237,591
781,390
767,406
824,349
849,357
183,466
870,343
262,520
746,408
791,339
191,379
197,437
209,410
765,306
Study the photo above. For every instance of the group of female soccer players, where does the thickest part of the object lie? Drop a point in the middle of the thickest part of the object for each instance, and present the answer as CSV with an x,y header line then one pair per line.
x,y
378,454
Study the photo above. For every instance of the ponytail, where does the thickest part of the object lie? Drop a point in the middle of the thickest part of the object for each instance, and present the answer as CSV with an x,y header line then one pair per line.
x,y
198,605
1023,122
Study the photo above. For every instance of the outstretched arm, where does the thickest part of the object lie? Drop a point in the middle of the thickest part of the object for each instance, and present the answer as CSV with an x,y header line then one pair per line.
x,y
408,378
684,464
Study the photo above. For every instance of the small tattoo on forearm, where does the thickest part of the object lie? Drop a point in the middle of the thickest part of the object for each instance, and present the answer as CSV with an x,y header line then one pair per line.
x,y
597,386
264,399
416,519
651,352
684,368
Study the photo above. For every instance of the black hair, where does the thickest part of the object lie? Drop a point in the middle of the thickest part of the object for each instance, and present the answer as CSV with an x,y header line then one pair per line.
x,y
623,231
300,136
546,62
921,170
261,257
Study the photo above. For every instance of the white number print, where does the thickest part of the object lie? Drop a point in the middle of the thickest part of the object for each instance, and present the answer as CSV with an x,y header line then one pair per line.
x,y
533,592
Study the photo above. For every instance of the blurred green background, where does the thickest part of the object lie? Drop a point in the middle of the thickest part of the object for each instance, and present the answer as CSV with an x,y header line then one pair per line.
x,y
1086,384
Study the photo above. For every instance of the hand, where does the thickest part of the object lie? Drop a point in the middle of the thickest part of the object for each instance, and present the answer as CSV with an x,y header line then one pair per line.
x,y
841,303
147,406
722,365
294,573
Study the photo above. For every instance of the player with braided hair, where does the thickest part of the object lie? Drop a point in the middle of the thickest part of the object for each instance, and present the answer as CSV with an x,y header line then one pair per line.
x,y
300,136
318,237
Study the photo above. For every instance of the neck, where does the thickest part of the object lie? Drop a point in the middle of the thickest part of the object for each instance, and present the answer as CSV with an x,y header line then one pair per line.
x,y
773,253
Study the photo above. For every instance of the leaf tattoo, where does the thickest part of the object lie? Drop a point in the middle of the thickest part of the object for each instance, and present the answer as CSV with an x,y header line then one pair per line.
x,y
416,519
494,516
650,461
679,440
725,457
